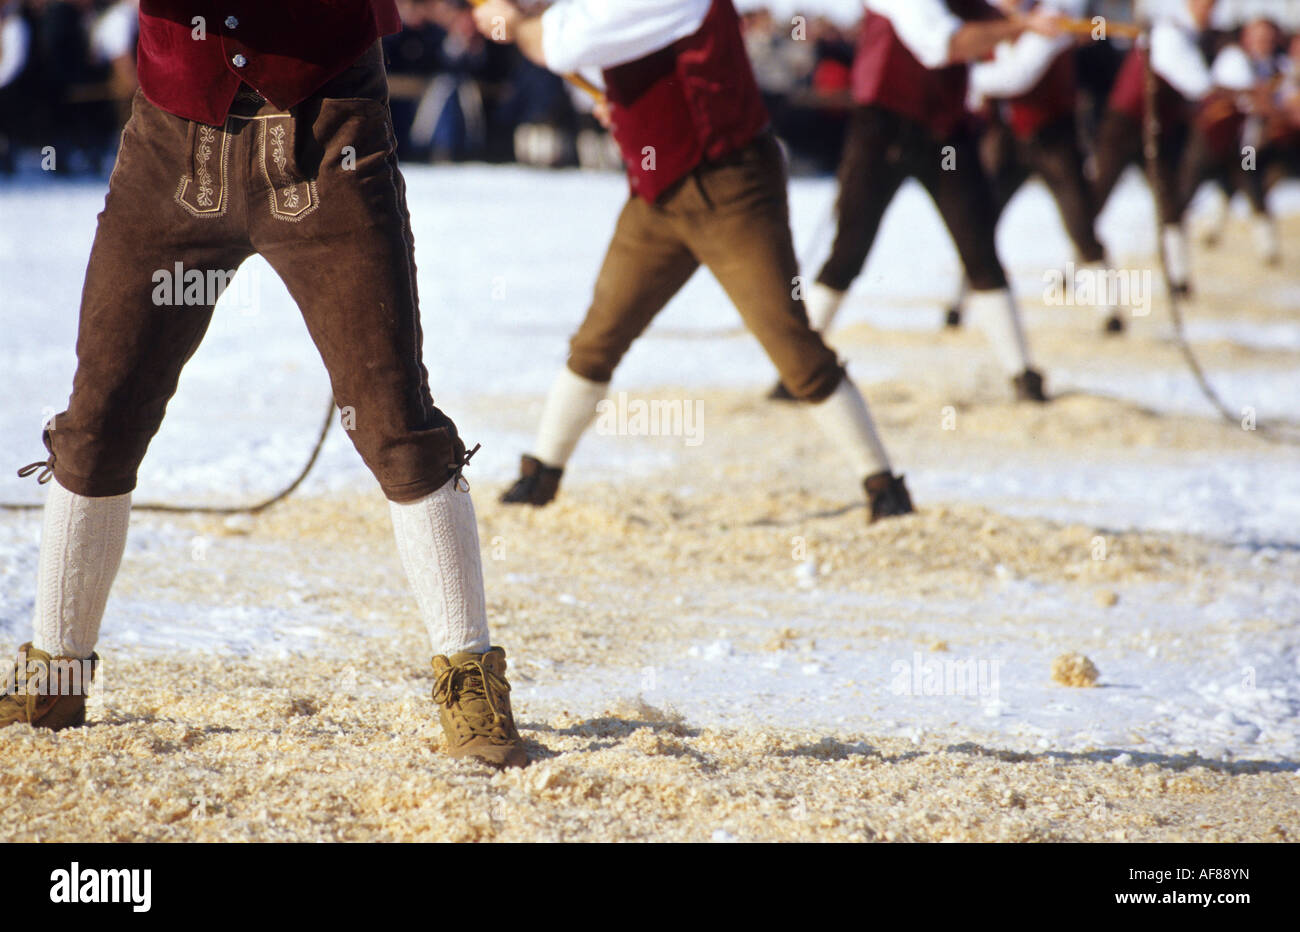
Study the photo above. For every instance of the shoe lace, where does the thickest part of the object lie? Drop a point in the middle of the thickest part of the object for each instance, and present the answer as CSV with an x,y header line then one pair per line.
x,y
46,468
472,688
460,483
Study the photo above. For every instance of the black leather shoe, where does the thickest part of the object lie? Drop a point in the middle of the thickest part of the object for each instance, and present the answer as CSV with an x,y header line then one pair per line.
x,y
887,495
1028,386
537,483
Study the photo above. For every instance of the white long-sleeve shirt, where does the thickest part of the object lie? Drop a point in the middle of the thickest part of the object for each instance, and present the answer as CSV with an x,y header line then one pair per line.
x,y
1018,65
605,33
926,27
1177,58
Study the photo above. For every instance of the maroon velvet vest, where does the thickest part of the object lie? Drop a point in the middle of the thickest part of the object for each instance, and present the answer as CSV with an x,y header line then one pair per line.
x,y
886,74
691,101
1051,99
1128,96
285,49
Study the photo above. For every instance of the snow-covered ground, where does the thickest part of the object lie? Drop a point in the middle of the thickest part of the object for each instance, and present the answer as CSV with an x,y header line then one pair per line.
x,y
506,259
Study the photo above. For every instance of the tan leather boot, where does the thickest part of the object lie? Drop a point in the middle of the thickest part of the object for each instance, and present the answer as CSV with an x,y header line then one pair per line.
x,y
474,699
47,692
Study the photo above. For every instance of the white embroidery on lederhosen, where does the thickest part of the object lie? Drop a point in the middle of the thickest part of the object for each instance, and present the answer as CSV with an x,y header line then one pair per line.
x,y
202,191
290,200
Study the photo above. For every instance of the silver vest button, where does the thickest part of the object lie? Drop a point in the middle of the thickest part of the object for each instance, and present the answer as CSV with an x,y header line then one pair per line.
x,y
231,22
239,61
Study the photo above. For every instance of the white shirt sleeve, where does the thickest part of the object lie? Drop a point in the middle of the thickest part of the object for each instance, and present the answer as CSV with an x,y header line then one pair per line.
x,y
1176,58
1232,69
926,27
15,39
605,33
1016,66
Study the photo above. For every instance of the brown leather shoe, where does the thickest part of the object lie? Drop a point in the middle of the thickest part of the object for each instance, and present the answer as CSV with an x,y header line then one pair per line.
x,y
474,699
537,483
47,692
888,496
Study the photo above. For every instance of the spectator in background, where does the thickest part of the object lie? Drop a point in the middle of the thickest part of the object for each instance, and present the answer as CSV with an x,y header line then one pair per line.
x,y
15,72
112,48
464,97
1233,117
802,70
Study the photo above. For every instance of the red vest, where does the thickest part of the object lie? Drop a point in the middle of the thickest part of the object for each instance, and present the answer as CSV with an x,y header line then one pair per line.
x,y
1051,99
886,74
690,101
285,49
1128,96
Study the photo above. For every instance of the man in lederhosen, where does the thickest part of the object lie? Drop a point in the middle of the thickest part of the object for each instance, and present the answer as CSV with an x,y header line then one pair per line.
x,y
1182,79
1029,94
911,120
1239,116
260,128
708,188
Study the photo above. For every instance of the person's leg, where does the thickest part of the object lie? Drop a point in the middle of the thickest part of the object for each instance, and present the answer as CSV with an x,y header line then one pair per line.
x,y
735,218
1251,182
1119,145
962,195
1172,149
645,265
1003,160
156,267
1055,155
1006,162
328,212
870,173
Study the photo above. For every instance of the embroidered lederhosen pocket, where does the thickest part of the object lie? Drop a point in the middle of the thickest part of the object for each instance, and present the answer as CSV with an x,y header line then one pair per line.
x,y
291,196
204,189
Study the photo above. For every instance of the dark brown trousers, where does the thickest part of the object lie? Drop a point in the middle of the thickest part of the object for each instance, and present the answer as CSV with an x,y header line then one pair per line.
x,y
731,217
881,151
317,192
1204,161
1053,154
1120,144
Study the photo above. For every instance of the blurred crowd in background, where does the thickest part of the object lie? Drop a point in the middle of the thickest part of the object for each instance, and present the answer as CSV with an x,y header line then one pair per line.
x,y
67,73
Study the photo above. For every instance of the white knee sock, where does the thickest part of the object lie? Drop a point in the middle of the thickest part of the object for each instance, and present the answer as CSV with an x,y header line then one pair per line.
x,y
822,303
437,539
962,292
1177,260
1102,274
996,315
570,408
82,540
1266,240
846,421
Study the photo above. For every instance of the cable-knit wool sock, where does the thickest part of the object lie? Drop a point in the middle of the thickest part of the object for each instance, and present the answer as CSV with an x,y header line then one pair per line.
x,y
82,540
437,539
846,421
822,303
570,408
996,315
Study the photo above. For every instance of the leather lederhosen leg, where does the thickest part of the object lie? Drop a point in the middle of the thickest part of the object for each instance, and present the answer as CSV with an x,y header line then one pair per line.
x,y
316,190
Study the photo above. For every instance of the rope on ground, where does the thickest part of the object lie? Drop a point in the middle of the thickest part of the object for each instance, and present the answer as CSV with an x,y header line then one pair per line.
x,y
251,509
1151,155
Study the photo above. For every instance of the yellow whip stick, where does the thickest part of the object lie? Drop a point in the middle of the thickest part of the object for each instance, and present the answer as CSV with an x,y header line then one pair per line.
x,y
576,80
1107,29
